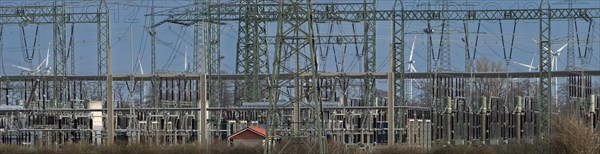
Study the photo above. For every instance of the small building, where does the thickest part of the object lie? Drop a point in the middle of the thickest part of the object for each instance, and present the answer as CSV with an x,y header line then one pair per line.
x,y
251,136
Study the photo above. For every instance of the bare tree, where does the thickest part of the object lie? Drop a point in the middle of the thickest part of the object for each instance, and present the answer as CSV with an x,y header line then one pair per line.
x,y
490,87
501,88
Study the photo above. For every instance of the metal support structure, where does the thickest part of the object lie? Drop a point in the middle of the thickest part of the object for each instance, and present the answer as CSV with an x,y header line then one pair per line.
x,y
105,67
570,40
296,71
545,86
252,58
59,56
197,39
294,39
212,46
396,75
285,76
72,48
368,53
444,53
152,33
355,12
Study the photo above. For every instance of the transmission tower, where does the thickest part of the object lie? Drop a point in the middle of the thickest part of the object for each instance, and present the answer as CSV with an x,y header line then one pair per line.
x,y
251,59
212,47
295,38
545,86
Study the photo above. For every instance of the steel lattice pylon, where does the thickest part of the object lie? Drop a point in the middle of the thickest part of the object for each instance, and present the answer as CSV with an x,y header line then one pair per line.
x,y
295,43
251,53
444,55
570,40
545,87
105,61
368,53
212,47
59,56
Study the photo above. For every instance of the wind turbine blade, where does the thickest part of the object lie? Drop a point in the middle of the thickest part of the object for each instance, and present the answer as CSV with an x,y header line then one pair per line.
x,y
21,67
524,65
40,65
141,68
412,68
531,64
48,55
185,59
561,48
552,63
412,49
318,55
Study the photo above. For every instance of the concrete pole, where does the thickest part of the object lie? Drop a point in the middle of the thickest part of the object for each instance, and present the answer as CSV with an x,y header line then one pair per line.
x,y
202,103
483,101
109,99
448,102
518,103
390,108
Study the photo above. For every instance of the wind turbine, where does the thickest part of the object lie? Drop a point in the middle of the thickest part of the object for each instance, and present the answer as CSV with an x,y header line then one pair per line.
x,y
530,66
143,99
554,54
411,68
38,70
555,57
554,67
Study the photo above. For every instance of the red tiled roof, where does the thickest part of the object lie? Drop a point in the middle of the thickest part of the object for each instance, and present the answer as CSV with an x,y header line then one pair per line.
x,y
259,130
250,132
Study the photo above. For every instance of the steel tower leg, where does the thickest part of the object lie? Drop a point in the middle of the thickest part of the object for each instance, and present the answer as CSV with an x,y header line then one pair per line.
x,y
369,61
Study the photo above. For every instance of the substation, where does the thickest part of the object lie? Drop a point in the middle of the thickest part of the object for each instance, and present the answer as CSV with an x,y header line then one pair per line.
x,y
279,83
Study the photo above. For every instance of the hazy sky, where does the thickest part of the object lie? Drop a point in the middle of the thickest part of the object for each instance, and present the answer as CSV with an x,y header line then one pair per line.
x,y
130,39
